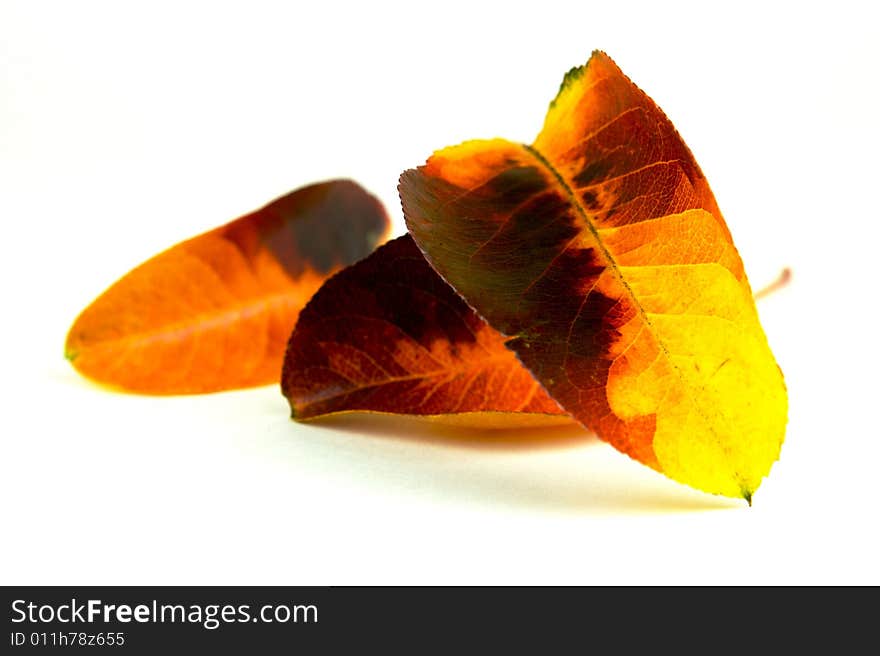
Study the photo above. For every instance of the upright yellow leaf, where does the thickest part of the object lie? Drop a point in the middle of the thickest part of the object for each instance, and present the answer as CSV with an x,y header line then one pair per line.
x,y
601,251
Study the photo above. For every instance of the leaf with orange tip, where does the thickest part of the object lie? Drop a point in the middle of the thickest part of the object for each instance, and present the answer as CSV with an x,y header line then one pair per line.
x,y
388,335
601,253
214,312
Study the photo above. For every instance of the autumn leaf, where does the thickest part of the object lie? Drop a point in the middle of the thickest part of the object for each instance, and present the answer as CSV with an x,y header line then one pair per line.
x,y
600,251
389,335
214,312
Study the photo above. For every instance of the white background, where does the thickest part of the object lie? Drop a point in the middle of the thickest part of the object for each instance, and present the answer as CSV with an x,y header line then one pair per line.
x,y
126,127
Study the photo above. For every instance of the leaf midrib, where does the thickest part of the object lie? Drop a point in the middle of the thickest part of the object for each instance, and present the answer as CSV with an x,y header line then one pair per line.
x,y
612,263
197,323
469,367
573,200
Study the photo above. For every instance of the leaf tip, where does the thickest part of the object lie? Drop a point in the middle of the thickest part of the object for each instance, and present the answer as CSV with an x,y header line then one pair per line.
x,y
576,72
571,76
295,415
70,352
747,495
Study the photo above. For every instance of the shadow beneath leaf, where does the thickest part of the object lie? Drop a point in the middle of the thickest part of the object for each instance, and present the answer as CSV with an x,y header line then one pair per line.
x,y
559,470
434,432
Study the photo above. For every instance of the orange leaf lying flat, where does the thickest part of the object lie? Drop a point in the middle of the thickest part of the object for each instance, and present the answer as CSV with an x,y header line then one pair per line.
x,y
601,251
214,312
389,335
